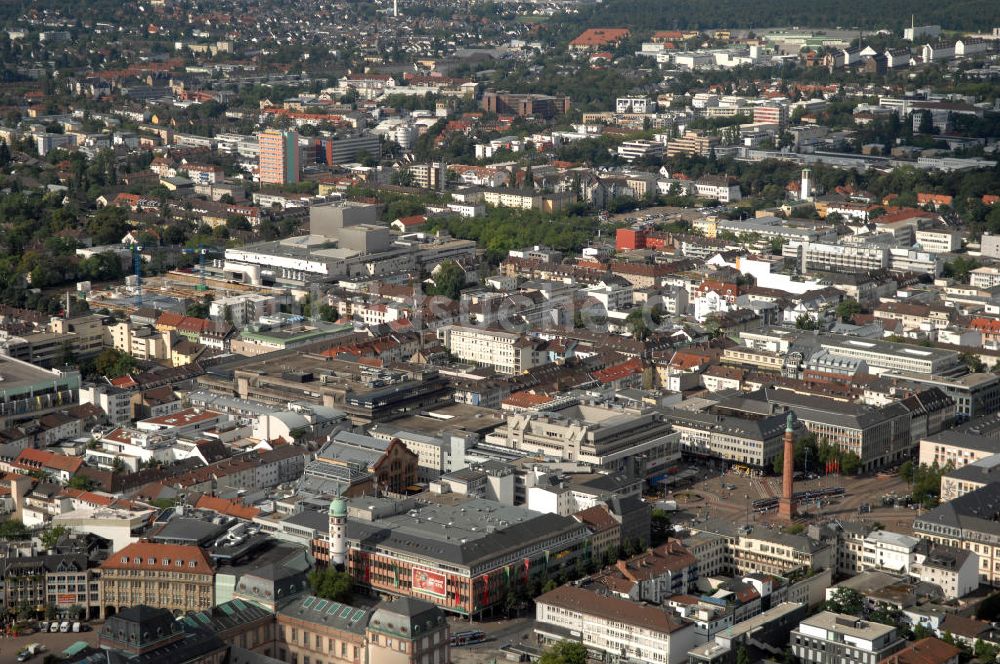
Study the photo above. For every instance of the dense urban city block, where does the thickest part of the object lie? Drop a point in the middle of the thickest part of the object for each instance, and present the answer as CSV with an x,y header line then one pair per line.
x,y
561,331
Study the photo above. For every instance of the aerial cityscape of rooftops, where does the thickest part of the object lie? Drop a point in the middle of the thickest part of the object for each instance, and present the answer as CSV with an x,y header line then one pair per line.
x,y
454,332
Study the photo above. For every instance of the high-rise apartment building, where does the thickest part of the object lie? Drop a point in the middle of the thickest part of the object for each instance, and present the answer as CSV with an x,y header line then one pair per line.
x,y
279,156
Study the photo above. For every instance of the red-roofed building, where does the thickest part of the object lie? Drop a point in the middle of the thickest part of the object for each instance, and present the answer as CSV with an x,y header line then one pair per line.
x,y
58,466
990,199
937,200
599,37
525,400
988,327
176,577
409,224
926,651
227,507
605,529
621,376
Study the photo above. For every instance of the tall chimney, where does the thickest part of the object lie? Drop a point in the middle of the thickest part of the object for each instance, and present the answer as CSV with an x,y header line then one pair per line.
x,y
786,505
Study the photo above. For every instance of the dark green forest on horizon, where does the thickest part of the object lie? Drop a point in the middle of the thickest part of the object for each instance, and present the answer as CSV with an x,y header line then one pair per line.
x,y
963,15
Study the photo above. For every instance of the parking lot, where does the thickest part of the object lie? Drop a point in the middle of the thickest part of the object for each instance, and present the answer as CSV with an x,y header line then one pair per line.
x,y
54,643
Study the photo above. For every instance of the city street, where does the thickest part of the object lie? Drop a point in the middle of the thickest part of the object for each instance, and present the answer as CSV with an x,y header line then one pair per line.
x,y
498,633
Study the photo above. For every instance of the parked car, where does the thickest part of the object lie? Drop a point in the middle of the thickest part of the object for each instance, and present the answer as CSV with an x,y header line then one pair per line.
x,y
64,627
76,627
54,627
29,651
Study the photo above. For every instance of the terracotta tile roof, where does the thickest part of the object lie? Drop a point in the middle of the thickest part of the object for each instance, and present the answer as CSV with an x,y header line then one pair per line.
x,y
991,325
526,399
33,459
936,199
227,507
925,651
153,556
169,319
413,220
89,497
903,214
619,371
600,37
598,518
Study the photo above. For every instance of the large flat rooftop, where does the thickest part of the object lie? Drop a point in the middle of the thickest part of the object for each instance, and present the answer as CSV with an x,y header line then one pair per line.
x,y
17,377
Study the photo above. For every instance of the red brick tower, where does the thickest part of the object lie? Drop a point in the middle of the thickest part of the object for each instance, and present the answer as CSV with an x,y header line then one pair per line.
x,y
786,504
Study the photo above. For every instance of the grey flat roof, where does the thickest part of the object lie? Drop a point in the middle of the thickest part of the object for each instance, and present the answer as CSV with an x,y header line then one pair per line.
x,y
465,533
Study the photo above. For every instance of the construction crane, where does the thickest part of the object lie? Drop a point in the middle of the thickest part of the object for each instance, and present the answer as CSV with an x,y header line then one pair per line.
x,y
202,251
137,266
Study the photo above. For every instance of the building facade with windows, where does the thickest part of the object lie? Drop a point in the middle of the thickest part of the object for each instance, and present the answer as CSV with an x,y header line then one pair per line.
x,y
176,577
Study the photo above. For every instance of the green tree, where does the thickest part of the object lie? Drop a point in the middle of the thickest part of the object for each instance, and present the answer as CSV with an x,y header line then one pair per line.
x,y
985,651
742,655
13,529
564,652
850,463
847,309
448,280
805,322
972,361
52,536
331,584
845,600
989,608
641,321
80,482
200,308
113,363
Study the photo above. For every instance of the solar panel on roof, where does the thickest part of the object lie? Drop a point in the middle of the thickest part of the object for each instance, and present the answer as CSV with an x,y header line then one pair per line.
x,y
346,612
239,604
321,605
357,615
228,610
203,618
309,601
334,607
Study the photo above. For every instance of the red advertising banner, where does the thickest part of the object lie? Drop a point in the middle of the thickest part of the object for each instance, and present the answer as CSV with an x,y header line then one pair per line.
x,y
433,583
66,598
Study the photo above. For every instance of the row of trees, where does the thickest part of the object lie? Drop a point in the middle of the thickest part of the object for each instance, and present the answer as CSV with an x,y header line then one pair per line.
x,y
925,481
812,455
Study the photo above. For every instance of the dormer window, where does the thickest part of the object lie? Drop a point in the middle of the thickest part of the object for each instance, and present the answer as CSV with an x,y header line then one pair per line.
x,y
125,560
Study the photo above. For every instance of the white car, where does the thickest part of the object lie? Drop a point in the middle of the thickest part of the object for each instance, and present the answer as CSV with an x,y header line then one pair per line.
x,y
64,627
